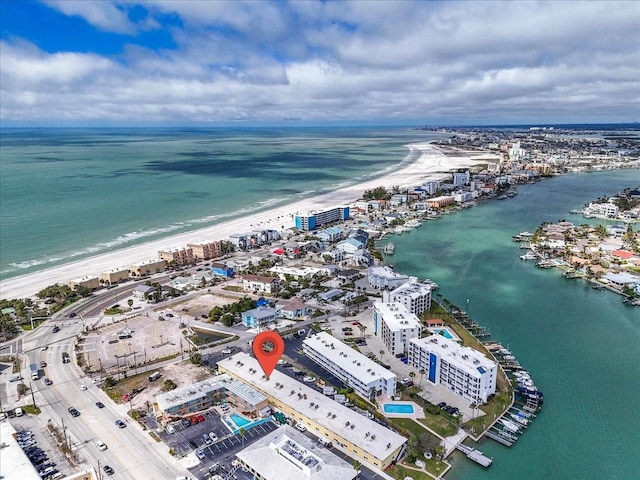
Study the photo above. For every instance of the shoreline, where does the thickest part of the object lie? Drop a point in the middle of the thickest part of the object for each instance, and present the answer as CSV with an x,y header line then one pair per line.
x,y
433,163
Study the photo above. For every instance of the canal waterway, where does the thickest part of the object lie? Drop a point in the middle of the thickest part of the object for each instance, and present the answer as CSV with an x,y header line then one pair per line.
x,y
580,345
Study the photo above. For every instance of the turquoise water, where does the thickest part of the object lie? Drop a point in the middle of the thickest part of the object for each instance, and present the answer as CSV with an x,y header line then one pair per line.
x,y
397,408
67,194
239,420
580,345
444,332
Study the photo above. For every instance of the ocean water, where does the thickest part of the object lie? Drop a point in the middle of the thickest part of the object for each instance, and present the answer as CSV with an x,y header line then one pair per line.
x,y
580,345
67,194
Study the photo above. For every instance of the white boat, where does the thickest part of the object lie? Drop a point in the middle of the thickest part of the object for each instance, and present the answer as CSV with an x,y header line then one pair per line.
x,y
519,419
528,256
509,425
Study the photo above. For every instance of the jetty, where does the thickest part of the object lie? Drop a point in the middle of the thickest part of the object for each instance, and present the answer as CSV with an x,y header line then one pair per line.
x,y
475,455
389,248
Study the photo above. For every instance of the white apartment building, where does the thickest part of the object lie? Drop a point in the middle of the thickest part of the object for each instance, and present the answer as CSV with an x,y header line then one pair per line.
x,y
395,325
463,370
461,178
354,369
381,277
415,296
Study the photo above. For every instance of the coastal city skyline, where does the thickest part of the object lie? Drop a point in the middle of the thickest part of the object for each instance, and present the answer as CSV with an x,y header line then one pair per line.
x,y
298,63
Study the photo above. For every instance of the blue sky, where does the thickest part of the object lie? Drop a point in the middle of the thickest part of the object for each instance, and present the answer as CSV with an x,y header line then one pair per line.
x,y
318,62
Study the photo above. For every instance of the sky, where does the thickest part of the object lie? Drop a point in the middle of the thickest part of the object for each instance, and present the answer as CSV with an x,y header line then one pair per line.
x,y
85,62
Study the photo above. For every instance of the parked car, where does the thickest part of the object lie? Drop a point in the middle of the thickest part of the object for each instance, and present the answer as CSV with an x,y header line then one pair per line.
x,y
213,436
193,420
206,439
170,429
200,418
227,351
200,454
301,427
185,422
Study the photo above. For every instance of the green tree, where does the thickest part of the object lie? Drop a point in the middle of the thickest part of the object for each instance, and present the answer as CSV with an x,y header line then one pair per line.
x,y
168,385
109,382
421,372
130,302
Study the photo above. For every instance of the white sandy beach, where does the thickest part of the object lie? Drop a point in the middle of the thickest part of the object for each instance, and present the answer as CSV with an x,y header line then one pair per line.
x,y
432,164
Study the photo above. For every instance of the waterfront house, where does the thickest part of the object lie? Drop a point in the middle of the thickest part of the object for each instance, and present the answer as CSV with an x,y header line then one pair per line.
x,y
90,282
622,280
148,267
114,276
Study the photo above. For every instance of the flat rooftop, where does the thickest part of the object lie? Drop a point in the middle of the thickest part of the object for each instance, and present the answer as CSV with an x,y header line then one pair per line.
x,y
200,390
348,359
472,361
397,317
372,437
14,464
286,454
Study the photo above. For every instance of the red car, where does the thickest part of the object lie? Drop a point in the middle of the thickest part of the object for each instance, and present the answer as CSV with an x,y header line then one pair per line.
x,y
200,418
193,420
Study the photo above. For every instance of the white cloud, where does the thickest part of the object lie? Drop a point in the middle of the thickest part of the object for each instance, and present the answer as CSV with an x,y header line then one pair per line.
x,y
104,15
341,60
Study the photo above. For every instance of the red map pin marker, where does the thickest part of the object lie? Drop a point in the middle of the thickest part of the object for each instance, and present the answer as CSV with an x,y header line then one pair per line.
x,y
268,347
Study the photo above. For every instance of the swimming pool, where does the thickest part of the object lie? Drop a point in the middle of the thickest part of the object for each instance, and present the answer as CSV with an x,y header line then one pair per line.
x,y
398,408
444,332
234,422
239,420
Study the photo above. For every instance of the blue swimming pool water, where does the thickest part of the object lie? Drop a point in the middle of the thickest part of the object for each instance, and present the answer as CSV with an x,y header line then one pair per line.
x,y
239,420
397,408
444,333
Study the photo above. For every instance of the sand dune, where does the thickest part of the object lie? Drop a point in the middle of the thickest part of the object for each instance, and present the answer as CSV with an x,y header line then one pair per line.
x,y
431,164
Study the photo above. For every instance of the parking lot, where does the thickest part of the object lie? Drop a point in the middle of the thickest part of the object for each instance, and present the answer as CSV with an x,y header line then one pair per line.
x,y
40,447
213,456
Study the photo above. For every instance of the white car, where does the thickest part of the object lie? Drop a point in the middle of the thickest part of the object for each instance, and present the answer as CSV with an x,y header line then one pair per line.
x,y
83,387
301,427
101,446
170,429
226,351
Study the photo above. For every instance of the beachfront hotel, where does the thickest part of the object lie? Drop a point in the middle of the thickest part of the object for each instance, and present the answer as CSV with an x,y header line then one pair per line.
x,y
415,296
114,276
357,371
286,454
177,256
314,219
395,325
205,250
463,370
199,396
148,267
325,418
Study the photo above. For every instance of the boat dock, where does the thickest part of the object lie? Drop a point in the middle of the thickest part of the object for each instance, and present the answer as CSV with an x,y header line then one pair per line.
x,y
389,248
475,455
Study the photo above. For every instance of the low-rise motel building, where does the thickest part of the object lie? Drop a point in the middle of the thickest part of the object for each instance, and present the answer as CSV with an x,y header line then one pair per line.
x,y
114,276
395,325
200,396
92,283
356,370
177,256
148,267
465,371
325,418
315,218
286,454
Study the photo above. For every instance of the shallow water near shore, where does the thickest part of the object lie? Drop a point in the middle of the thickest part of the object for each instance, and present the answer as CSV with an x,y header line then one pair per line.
x,y
67,194
580,345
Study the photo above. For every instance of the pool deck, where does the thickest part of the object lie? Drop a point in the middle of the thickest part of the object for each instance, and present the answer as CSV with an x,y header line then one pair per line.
x,y
453,335
418,412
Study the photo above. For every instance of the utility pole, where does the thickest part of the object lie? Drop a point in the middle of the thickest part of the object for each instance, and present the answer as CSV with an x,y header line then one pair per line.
x,y
145,360
181,352
117,367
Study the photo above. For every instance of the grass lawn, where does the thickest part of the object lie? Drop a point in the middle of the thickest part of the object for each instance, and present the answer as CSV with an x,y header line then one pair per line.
x,y
125,385
439,424
409,425
400,472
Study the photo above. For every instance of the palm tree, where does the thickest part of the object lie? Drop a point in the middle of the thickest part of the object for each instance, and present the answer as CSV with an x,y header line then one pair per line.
x,y
412,375
241,432
421,372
